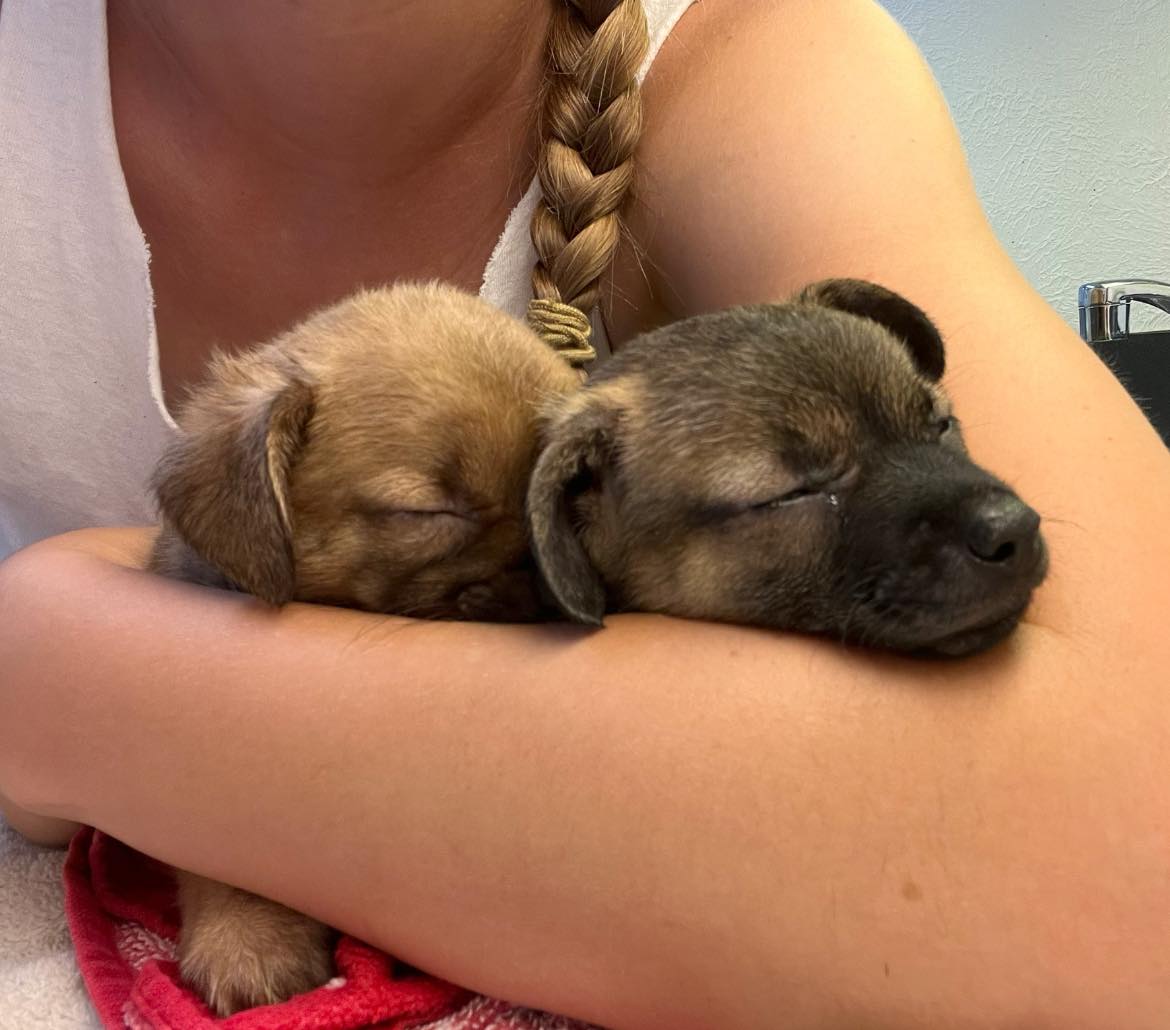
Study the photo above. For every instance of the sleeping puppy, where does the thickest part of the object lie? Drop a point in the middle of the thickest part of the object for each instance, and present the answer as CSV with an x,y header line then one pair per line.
x,y
376,456
793,465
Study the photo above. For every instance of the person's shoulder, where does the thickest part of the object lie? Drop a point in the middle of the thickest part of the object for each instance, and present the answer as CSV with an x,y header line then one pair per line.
x,y
736,63
773,36
773,130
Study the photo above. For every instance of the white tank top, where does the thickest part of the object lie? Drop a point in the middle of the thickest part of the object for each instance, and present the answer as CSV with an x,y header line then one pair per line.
x,y
82,419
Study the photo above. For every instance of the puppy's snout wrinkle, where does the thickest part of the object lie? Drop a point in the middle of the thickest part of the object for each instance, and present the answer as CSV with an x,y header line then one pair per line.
x,y
1002,532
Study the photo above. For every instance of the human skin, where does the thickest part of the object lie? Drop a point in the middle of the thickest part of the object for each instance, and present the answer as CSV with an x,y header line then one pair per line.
x,y
669,823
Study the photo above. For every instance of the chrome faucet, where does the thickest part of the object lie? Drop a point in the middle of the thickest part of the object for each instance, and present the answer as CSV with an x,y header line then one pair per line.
x,y
1104,306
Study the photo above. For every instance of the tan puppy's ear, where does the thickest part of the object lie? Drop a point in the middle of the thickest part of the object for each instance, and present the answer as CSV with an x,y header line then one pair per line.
x,y
906,321
223,486
579,444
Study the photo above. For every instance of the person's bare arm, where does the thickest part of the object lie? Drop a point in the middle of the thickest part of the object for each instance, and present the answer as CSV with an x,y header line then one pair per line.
x,y
669,823
663,823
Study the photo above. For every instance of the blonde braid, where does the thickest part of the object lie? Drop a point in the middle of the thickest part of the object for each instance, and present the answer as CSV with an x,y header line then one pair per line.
x,y
591,121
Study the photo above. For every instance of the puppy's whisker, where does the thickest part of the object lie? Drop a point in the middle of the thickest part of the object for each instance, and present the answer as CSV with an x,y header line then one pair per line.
x,y
1052,519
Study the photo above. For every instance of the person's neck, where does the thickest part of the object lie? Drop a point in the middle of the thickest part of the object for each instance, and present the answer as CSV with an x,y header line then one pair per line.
x,y
361,88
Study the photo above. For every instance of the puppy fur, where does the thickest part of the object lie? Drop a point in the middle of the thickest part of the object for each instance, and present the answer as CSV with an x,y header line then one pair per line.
x,y
790,465
376,456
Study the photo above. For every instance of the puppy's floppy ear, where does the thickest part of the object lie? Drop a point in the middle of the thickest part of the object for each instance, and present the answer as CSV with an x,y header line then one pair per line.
x,y
579,442
223,485
905,320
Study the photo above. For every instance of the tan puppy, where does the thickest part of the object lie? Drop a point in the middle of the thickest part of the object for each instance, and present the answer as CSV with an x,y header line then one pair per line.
x,y
376,456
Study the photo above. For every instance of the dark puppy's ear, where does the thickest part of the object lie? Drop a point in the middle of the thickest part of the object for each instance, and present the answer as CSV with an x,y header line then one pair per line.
x,y
905,320
578,443
223,486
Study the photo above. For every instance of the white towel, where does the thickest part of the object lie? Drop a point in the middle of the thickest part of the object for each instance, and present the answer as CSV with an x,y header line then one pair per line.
x,y
40,987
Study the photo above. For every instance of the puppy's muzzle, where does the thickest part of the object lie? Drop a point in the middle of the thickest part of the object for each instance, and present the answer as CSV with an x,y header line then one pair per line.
x,y
945,557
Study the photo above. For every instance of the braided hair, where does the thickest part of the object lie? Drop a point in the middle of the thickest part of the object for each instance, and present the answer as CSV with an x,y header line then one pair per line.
x,y
591,118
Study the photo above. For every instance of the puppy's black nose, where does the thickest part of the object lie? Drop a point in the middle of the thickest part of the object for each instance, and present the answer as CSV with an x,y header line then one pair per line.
x,y
1002,530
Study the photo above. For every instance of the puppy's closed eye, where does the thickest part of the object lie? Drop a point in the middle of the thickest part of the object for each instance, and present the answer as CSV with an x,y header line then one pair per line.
x,y
382,510
812,486
412,532
800,493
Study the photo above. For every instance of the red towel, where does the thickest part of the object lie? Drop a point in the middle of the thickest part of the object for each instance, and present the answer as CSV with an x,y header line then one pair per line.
x,y
122,916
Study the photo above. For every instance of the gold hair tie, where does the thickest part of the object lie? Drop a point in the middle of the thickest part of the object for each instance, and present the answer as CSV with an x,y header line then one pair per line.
x,y
564,328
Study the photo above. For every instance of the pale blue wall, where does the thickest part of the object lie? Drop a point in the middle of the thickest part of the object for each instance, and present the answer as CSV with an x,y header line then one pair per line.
x,y
1064,109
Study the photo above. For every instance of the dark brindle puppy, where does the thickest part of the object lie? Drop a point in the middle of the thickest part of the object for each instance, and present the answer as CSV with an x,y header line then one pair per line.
x,y
794,465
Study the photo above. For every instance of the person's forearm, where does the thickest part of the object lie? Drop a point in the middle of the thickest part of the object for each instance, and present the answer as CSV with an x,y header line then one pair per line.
x,y
122,547
661,823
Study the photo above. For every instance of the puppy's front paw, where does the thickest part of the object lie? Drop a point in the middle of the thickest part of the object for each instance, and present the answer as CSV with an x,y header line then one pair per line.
x,y
238,950
234,978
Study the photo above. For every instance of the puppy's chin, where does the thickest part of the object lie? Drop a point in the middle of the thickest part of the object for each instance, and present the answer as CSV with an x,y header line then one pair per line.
x,y
512,595
942,633
976,639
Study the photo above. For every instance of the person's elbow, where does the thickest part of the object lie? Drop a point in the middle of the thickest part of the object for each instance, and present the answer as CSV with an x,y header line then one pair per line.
x,y
33,582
